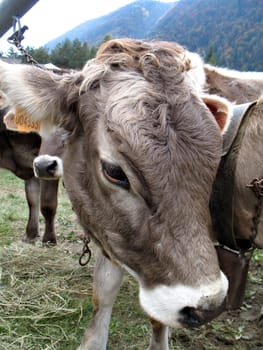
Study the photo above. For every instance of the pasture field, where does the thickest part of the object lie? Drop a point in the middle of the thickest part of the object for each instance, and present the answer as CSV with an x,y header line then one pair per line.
x,y
45,295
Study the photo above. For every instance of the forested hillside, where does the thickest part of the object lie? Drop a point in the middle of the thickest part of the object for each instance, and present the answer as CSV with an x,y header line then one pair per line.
x,y
135,20
228,32
233,29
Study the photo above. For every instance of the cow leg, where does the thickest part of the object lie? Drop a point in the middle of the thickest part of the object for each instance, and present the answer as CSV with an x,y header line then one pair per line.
x,y
107,282
159,340
49,202
32,190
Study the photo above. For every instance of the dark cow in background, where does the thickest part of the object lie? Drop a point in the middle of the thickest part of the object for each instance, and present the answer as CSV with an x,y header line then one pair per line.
x,y
17,152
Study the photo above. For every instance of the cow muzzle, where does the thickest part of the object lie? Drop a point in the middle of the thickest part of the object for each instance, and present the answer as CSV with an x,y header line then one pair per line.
x,y
48,167
185,306
195,317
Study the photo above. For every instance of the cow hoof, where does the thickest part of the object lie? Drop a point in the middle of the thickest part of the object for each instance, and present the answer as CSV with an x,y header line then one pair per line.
x,y
30,240
49,243
49,239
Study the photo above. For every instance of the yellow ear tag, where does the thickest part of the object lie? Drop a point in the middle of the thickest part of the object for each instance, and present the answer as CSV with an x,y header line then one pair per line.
x,y
21,121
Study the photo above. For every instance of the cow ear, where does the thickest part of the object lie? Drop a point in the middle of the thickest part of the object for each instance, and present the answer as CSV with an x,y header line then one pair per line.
x,y
221,109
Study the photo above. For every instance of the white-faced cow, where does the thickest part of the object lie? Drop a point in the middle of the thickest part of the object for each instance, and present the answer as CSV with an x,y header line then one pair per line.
x,y
17,152
239,88
141,154
235,205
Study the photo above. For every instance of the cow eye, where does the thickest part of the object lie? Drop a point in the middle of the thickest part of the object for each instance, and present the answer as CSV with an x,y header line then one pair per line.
x,y
114,174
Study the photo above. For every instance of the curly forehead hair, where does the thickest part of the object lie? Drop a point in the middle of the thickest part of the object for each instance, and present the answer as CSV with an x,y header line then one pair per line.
x,y
159,53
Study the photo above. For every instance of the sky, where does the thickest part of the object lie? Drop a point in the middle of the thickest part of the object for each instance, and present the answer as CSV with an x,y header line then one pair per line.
x,y
48,19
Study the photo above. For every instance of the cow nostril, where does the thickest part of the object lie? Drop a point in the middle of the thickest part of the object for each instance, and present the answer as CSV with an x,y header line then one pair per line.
x,y
189,317
194,317
37,168
52,167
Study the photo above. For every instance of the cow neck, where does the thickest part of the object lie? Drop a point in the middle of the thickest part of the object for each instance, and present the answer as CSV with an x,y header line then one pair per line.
x,y
222,201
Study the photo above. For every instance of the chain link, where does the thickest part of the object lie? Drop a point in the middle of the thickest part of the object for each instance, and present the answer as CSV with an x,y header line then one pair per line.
x,y
17,37
256,186
86,252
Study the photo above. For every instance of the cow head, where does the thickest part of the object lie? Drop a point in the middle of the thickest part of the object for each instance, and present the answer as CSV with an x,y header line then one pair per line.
x,y
140,157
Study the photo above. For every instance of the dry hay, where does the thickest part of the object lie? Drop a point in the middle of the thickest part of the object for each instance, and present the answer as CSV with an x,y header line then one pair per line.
x,y
40,288
45,305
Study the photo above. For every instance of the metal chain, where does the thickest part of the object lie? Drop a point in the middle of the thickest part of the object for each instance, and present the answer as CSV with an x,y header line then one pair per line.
x,y
86,252
256,186
17,37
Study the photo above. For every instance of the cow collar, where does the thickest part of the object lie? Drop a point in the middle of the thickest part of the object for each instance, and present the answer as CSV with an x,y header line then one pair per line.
x,y
239,113
222,199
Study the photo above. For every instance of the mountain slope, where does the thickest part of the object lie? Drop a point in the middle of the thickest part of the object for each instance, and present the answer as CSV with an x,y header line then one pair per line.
x,y
233,28
134,20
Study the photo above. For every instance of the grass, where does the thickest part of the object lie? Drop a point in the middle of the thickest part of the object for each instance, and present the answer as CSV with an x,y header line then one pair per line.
x,y
13,213
45,295
40,302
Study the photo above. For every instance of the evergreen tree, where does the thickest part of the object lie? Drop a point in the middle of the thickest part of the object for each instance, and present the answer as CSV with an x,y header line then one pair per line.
x,y
92,52
40,54
12,53
71,55
106,38
210,57
61,54
80,54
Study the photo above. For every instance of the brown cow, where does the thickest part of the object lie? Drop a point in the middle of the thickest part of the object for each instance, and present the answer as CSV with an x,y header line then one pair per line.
x,y
140,157
237,87
240,88
17,152
236,203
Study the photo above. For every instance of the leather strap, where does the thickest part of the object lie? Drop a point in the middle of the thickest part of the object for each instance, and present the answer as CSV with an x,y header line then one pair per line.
x,y
222,200
239,112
